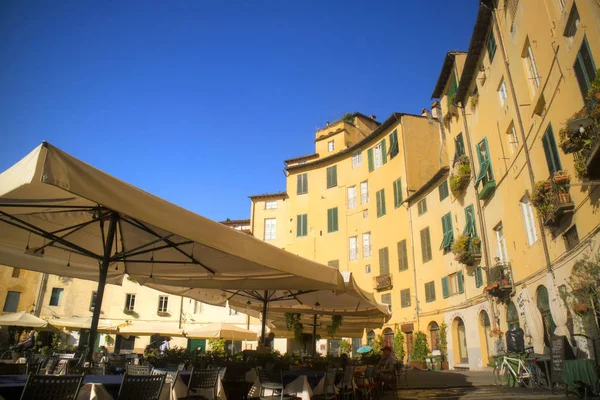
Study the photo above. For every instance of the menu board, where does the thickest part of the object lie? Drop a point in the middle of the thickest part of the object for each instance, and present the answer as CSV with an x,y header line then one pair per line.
x,y
558,357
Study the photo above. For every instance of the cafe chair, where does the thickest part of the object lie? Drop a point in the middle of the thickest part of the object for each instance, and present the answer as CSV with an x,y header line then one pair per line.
x,y
347,387
52,387
273,381
329,389
138,369
203,379
170,376
147,387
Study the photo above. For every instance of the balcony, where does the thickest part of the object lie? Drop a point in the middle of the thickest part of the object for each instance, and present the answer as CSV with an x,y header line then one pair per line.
x,y
552,200
499,280
383,282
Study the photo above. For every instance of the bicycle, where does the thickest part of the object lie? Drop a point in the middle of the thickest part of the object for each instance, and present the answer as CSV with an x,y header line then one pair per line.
x,y
523,375
8,354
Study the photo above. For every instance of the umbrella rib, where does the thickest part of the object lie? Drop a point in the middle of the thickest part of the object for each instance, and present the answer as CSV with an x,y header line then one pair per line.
x,y
121,255
131,253
47,235
143,227
78,226
75,229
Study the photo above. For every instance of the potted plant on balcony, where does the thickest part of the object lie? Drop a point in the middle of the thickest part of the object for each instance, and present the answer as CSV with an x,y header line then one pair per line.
x,y
543,198
561,177
460,176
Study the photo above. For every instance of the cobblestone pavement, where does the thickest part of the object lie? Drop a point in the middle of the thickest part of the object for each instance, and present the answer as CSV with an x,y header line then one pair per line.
x,y
478,392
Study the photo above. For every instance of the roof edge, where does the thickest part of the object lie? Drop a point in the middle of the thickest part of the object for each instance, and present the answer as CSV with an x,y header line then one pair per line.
x,y
436,177
267,195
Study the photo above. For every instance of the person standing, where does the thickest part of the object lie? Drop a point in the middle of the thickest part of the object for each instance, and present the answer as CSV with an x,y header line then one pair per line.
x,y
165,346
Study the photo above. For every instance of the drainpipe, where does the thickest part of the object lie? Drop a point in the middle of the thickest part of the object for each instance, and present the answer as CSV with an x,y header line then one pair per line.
x,y
181,313
40,297
521,130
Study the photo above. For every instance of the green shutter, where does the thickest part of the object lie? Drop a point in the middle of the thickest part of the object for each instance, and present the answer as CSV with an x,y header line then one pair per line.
x,y
482,172
378,202
383,210
448,237
478,277
445,287
550,151
370,157
299,225
334,175
384,265
470,226
459,278
332,220
397,193
381,203
383,152
298,184
402,256
393,144
335,219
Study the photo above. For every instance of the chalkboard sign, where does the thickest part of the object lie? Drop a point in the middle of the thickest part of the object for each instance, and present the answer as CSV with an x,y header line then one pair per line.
x,y
558,357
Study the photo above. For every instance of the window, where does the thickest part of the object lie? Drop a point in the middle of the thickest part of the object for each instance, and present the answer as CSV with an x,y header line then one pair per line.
x,y
367,269
384,261
394,144
571,238
353,248
486,174
478,277
452,89
502,253
377,156
332,220
531,68
364,192
551,151
332,176
334,264
529,220
16,273
405,298
302,225
55,296
443,189
397,193
572,25
430,291
502,93
422,206
11,304
459,147
513,140
585,69
271,205
366,244
93,300
448,237
366,213
470,225
163,304
356,159
452,284
270,228
130,302
330,146
380,203
491,46
387,299
302,184
402,255
425,245
352,197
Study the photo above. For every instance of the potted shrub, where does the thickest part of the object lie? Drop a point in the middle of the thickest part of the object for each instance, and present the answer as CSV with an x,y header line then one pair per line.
x,y
461,250
460,176
420,351
444,345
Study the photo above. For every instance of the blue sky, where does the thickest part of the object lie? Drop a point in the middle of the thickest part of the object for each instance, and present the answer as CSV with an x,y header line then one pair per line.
x,y
200,102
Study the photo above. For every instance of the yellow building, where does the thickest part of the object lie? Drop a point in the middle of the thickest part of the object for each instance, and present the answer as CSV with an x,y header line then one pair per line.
x,y
19,289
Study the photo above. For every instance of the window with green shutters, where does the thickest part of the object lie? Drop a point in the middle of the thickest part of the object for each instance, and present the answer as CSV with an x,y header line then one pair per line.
x,y
445,287
491,45
332,176
585,68
448,237
405,298
452,284
384,261
394,144
332,220
377,156
397,193
430,291
302,183
380,195
551,151
426,245
470,226
443,189
422,206
302,225
402,255
486,174
452,89
459,147
478,277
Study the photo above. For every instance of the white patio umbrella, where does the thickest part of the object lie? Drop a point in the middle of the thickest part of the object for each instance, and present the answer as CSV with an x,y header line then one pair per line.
x,y
149,328
558,308
221,330
104,326
26,320
62,216
533,319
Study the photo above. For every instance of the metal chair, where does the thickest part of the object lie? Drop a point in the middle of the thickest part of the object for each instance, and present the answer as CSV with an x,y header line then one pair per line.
x,y
116,366
170,376
347,386
138,369
48,365
146,387
33,367
203,379
271,380
13,369
329,389
50,387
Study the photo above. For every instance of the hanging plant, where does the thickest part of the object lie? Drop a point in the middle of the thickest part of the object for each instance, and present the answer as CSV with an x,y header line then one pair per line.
x,y
291,319
336,322
460,177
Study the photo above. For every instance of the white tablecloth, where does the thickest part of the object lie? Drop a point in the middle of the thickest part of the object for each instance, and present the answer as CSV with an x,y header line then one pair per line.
x,y
298,386
320,388
93,391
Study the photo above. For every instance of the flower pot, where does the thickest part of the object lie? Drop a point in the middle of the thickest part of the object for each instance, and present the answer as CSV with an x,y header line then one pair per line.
x,y
422,365
445,365
561,178
547,185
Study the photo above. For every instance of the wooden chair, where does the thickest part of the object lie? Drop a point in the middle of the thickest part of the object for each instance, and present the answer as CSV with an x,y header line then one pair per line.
x,y
329,389
138,369
51,387
203,379
347,386
147,387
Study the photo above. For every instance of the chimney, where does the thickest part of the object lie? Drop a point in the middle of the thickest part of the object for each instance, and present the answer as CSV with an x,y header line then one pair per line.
x,y
373,117
326,123
436,110
425,113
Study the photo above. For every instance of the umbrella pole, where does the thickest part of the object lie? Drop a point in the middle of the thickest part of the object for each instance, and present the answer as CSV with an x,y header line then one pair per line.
x,y
264,319
112,227
314,338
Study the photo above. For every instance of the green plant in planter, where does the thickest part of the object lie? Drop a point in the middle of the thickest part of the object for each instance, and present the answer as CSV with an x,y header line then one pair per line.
x,y
420,348
217,346
460,177
543,199
585,284
336,322
398,343
461,247
443,340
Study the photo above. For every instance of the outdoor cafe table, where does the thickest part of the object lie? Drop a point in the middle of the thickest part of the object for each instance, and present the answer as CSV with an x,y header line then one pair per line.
x,y
298,382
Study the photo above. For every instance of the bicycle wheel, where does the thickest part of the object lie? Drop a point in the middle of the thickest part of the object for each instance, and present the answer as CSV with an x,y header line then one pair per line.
x,y
7,355
527,376
501,376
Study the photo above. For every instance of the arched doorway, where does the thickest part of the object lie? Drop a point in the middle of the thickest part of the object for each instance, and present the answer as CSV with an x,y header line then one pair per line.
x,y
370,338
512,316
544,306
388,337
434,335
459,341
485,341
